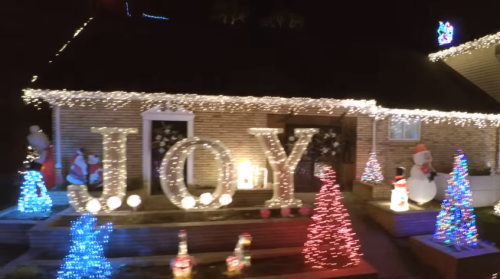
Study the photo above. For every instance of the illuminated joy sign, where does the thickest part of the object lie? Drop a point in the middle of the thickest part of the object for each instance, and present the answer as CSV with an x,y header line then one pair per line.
x,y
445,32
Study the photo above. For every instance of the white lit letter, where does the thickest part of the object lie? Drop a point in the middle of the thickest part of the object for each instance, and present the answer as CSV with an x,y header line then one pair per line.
x,y
283,167
114,145
172,174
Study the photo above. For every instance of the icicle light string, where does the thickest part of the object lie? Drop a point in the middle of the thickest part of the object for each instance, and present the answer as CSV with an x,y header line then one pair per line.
x,y
116,100
466,48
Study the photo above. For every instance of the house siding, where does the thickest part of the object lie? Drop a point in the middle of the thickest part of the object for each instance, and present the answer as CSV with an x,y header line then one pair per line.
x,y
231,129
481,67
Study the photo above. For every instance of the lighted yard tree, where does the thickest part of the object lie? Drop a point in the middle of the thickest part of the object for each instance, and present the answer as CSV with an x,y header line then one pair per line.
x,y
33,197
331,241
456,224
86,257
373,171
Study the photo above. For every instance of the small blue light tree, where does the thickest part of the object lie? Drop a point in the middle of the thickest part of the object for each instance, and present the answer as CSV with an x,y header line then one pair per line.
x,y
86,258
456,223
31,200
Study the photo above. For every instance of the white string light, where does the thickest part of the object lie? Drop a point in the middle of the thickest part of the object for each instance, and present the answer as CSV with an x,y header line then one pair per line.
x,y
114,171
283,167
466,48
172,174
77,32
118,99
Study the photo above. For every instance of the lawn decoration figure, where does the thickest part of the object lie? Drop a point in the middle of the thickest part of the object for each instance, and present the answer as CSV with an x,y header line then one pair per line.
x,y
44,162
182,265
241,257
445,32
79,169
421,183
399,197
95,171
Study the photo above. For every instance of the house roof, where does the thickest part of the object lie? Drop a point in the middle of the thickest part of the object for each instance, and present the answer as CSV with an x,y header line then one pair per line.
x,y
466,48
147,55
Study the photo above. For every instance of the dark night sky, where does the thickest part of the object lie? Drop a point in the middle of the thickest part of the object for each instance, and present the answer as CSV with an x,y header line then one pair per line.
x,y
37,29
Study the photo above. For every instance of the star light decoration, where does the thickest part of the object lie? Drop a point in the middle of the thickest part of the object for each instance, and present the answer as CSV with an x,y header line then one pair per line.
x,y
466,48
118,99
456,223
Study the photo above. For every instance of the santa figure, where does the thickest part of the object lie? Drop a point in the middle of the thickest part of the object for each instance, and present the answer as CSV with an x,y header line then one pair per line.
x,y
79,169
95,171
421,183
45,161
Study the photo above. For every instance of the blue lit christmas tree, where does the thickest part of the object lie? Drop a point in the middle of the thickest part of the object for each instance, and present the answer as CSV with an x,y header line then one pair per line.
x,y
86,258
34,197
456,223
373,171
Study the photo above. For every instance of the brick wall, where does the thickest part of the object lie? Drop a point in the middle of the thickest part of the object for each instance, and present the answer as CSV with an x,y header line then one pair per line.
x,y
231,128
442,140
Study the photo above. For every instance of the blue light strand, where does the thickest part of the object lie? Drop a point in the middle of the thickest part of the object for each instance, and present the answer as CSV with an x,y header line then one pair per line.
x,y
456,223
30,201
86,258
154,17
128,13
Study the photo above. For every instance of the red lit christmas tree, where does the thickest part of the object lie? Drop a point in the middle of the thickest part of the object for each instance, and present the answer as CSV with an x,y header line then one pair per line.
x,y
331,243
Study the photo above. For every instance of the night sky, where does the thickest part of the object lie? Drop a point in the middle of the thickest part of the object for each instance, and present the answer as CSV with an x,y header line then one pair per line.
x,y
33,31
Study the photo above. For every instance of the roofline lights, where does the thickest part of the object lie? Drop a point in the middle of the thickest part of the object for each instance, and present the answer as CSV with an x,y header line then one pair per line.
x,y
118,99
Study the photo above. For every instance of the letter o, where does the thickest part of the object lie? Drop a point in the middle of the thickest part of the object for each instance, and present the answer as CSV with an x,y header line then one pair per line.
x,y
172,172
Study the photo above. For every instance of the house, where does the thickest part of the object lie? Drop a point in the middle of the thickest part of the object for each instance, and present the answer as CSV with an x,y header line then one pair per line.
x,y
152,76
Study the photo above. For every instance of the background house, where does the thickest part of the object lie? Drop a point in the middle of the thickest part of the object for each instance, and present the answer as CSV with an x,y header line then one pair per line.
x,y
126,55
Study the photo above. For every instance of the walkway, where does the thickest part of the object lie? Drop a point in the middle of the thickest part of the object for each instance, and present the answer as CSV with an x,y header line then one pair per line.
x,y
390,256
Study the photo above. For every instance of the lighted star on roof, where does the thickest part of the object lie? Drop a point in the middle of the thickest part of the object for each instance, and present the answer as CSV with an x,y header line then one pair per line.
x,y
445,32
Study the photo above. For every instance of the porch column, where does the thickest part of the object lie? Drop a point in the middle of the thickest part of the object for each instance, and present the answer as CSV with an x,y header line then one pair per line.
x,y
57,128
374,136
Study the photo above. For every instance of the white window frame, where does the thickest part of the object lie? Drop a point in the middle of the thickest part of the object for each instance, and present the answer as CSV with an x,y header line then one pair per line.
x,y
156,114
419,132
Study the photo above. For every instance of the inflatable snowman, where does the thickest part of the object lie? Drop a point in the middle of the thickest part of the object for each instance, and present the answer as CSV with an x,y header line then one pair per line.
x,y
421,183
399,197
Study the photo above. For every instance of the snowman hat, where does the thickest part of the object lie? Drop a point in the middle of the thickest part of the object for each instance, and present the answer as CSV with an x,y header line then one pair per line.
x,y
420,148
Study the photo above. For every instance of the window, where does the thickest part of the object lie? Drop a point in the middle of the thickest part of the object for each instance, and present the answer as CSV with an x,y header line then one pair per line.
x,y
400,130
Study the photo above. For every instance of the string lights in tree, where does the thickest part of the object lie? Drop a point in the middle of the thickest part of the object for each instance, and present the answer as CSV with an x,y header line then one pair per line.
x,y
114,172
283,166
456,224
331,242
373,171
118,99
155,17
86,258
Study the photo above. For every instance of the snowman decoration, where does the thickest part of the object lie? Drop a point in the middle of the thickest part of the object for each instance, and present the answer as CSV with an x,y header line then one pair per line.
x,y
399,197
421,183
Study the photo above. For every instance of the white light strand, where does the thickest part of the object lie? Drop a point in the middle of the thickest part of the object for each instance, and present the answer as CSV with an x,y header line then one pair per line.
x,y
466,48
283,166
118,99
77,32
172,174
114,170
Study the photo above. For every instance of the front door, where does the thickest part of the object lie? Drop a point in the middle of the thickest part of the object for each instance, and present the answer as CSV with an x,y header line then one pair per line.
x,y
322,150
164,134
